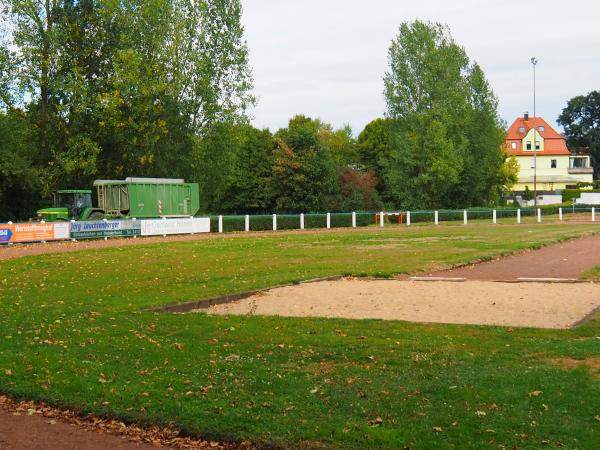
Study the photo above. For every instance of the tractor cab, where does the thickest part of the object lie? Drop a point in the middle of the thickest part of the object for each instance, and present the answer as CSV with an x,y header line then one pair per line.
x,y
68,204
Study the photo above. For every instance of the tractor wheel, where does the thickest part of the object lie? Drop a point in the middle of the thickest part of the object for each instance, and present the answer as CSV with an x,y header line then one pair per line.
x,y
96,215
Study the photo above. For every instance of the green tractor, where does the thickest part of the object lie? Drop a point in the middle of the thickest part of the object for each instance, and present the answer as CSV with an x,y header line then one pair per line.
x,y
68,204
142,198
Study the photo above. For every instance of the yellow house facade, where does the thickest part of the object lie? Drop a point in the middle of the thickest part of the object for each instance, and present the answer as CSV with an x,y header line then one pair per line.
x,y
543,157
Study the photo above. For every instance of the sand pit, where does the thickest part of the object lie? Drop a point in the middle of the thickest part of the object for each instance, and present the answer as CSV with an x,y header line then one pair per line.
x,y
474,302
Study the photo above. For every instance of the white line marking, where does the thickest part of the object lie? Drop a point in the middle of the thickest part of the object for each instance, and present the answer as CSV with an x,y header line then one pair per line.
x,y
437,279
548,280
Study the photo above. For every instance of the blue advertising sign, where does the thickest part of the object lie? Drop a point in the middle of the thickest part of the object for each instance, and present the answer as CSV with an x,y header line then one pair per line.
x,y
5,234
105,228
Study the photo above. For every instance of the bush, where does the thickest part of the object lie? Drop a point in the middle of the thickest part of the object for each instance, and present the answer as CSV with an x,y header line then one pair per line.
x,y
569,194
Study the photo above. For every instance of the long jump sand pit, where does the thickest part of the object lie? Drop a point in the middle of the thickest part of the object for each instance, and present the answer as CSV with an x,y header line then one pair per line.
x,y
541,305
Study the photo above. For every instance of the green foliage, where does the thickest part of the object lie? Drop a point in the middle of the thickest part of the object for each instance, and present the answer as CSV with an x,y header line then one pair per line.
x,y
443,146
304,175
19,185
581,121
249,188
128,87
569,194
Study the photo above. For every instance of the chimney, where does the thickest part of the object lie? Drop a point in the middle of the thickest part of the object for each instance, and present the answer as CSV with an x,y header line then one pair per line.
x,y
526,115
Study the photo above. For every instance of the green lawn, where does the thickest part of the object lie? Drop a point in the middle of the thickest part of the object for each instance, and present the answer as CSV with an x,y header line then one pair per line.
x,y
72,334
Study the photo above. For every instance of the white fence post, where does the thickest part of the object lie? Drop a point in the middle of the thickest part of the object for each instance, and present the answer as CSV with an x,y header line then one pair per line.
x,y
302,221
381,219
72,239
274,222
465,217
247,222
437,217
408,218
560,214
106,237
494,217
518,215
353,219
134,236
220,224
593,214
539,215
328,220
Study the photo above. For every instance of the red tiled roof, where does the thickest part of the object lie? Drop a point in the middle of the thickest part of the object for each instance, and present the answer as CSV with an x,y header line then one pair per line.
x,y
554,143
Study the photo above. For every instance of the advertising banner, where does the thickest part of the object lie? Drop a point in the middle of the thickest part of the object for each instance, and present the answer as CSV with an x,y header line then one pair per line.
x,y
32,232
105,228
156,227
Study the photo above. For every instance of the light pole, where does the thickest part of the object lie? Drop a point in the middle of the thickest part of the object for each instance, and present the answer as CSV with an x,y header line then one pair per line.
x,y
534,62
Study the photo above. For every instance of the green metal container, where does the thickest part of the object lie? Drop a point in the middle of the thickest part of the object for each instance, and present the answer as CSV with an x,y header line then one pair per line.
x,y
147,197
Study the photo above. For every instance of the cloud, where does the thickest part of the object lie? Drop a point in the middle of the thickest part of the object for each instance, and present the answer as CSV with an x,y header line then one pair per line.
x,y
327,58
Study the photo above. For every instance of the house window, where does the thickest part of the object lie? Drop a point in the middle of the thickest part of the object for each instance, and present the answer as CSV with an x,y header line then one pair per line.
x,y
514,145
528,145
553,164
521,129
541,128
537,145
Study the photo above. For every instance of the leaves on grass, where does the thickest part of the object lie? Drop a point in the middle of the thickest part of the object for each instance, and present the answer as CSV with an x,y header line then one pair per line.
x,y
535,393
480,413
438,429
154,435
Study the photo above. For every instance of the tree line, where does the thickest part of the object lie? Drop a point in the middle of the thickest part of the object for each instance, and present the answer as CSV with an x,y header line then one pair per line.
x,y
162,88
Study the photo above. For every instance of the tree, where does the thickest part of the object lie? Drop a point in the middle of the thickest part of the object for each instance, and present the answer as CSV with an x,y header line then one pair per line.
x,y
581,121
375,147
19,185
304,176
126,87
249,189
445,132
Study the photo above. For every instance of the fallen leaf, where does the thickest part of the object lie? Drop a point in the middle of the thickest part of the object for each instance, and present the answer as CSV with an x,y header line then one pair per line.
x,y
597,418
535,393
480,413
8,373
438,429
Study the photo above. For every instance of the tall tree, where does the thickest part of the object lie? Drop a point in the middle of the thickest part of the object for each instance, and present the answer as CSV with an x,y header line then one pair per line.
x,y
304,174
250,187
581,121
447,134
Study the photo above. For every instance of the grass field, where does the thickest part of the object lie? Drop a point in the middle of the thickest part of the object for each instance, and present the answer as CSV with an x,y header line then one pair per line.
x,y
72,334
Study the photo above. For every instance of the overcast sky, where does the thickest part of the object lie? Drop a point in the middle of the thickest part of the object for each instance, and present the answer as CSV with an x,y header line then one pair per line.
x,y
327,58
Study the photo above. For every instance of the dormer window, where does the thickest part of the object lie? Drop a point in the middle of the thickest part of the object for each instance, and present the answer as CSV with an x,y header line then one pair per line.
x,y
528,145
537,145
521,129
514,145
541,128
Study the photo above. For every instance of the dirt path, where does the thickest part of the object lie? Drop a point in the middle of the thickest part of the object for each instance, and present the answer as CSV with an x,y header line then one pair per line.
x,y
565,260
39,433
25,425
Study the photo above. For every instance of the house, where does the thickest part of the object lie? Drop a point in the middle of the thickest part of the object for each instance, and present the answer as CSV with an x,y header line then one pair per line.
x,y
532,140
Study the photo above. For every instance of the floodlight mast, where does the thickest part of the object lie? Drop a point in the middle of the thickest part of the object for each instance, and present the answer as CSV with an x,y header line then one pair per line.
x,y
534,62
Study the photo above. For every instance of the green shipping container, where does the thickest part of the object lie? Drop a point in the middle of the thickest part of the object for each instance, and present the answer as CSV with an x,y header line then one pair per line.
x,y
147,197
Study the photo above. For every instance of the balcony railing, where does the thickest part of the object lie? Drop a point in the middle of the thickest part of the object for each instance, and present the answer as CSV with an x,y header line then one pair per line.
x,y
580,170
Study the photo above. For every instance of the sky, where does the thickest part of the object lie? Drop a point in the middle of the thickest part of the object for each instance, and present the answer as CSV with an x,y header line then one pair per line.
x,y
327,58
